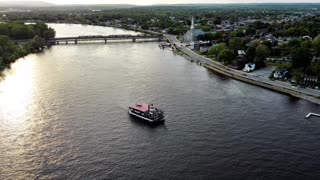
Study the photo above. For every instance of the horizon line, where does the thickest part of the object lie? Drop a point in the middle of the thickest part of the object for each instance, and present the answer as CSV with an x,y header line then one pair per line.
x,y
161,4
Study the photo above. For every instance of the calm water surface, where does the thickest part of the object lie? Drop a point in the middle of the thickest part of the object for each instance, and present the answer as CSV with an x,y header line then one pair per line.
x,y
63,115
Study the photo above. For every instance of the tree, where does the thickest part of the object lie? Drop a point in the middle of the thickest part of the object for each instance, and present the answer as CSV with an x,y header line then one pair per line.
x,y
234,43
306,44
218,35
206,37
268,44
250,54
255,43
215,50
37,43
316,44
301,58
4,30
262,51
316,68
237,43
237,34
250,31
226,56
205,28
298,75
217,21
294,43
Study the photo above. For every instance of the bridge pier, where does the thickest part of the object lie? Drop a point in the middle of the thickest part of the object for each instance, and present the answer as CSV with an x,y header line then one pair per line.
x,y
66,42
57,42
105,41
133,39
76,42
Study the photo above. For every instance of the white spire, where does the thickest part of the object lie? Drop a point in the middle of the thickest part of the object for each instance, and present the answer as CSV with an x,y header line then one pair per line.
x,y
192,24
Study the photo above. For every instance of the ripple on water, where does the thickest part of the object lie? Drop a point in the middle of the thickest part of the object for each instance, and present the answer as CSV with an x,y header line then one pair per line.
x,y
75,123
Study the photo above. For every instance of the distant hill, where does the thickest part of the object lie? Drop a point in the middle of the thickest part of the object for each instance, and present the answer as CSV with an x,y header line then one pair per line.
x,y
25,4
100,5
49,6
97,7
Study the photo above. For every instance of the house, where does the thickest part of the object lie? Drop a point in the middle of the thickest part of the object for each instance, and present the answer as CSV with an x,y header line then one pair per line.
x,y
280,73
310,81
241,53
280,60
205,48
198,45
249,67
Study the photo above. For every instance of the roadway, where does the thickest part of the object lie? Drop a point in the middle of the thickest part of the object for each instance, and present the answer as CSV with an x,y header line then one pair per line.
x,y
241,74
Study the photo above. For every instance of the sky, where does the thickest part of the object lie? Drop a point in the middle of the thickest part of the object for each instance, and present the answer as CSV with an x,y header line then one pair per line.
x,y
150,2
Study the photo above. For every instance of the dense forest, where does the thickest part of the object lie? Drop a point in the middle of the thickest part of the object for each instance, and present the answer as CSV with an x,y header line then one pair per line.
x,y
37,33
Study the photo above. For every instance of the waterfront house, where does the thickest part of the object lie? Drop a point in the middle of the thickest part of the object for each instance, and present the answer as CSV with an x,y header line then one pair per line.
x,y
198,45
281,73
280,60
310,81
249,67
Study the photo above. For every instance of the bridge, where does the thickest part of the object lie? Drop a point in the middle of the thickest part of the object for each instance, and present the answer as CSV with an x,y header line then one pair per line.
x,y
105,39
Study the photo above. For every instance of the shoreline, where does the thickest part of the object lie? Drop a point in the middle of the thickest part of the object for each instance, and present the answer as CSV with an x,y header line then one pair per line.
x,y
224,70
285,88
8,66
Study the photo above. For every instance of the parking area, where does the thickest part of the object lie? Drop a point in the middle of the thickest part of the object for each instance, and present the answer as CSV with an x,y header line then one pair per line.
x,y
264,72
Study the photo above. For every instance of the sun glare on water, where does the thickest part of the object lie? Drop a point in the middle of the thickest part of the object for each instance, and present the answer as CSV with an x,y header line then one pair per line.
x,y
16,91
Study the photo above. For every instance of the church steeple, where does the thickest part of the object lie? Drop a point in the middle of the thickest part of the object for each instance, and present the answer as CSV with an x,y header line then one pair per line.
x,y
192,24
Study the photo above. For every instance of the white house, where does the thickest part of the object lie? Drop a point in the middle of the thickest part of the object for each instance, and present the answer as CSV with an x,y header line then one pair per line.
x,y
249,67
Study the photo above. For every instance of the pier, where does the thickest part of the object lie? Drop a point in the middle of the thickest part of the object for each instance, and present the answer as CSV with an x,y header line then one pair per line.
x,y
312,114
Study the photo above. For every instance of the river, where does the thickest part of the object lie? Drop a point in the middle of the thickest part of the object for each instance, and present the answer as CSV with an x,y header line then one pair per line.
x,y
63,115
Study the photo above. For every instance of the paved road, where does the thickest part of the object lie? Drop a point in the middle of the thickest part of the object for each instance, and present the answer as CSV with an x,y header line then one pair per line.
x,y
204,60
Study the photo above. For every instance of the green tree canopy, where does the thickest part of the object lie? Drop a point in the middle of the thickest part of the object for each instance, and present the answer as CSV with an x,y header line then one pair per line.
x,y
316,44
215,50
301,58
262,51
226,56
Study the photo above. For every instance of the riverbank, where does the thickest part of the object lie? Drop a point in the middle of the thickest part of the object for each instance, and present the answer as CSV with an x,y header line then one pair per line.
x,y
11,50
307,94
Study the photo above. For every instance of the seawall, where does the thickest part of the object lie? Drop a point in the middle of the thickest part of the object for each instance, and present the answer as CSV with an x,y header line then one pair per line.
x,y
268,84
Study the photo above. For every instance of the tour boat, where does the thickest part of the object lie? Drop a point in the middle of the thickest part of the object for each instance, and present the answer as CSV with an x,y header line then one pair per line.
x,y
147,112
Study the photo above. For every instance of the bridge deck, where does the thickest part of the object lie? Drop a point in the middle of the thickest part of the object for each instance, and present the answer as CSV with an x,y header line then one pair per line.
x,y
96,38
109,37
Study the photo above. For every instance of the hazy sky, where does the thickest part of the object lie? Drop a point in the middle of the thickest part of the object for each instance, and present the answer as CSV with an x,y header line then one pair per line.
x,y
148,2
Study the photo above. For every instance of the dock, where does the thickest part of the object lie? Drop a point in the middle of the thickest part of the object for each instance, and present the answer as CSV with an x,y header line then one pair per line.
x,y
163,45
312,114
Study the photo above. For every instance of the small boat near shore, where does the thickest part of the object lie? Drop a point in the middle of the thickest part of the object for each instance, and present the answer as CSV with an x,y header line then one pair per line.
x,y
147,112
